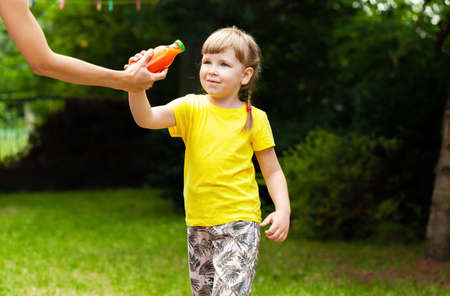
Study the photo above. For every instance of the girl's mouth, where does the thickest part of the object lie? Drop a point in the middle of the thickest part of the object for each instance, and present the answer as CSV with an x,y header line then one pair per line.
x,y
212,81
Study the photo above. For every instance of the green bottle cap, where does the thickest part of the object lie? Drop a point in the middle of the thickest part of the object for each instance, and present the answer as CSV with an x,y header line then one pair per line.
x,y
180,44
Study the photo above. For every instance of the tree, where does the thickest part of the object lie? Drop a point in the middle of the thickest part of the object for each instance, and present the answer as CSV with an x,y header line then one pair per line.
x,y
437,244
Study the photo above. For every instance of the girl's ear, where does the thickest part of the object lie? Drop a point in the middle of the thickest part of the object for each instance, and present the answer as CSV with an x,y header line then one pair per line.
x,y
247,75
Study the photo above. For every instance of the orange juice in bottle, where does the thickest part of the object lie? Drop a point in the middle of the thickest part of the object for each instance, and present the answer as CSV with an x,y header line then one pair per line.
x,y
163,56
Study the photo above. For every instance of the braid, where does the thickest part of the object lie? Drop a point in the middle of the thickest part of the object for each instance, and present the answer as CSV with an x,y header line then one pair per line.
x,y
249,122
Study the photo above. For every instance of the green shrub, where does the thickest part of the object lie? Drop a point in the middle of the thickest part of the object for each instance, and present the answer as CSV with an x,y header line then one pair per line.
x,y
334,185
13,143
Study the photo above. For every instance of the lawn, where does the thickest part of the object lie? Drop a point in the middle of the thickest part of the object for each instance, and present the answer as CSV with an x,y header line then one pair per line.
x,y
131,242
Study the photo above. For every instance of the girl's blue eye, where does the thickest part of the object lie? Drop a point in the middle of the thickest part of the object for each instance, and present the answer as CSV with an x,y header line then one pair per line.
x,y
225,64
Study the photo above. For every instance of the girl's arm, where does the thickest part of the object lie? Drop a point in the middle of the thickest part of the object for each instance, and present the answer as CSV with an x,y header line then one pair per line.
x,y
147,116
277,186
31,42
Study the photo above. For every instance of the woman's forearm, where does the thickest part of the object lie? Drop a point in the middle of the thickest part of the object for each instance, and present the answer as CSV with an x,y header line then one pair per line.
x,y
76,71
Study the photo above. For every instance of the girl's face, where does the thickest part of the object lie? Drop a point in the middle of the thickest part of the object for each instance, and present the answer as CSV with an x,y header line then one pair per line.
x,y
222,74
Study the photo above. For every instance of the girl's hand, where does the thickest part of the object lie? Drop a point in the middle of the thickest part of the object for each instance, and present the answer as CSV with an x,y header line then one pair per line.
x,y
279,229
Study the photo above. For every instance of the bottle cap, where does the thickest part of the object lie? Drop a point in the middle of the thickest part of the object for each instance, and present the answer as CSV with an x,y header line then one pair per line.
x,y
180,44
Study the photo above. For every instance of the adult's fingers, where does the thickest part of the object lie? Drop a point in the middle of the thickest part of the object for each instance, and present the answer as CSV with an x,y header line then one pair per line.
x,y
146,57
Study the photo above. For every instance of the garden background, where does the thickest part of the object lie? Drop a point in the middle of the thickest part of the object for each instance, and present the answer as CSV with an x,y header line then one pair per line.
x,y
355,91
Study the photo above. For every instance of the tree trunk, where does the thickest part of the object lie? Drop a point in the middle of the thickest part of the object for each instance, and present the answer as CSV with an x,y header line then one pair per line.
x,y
437,244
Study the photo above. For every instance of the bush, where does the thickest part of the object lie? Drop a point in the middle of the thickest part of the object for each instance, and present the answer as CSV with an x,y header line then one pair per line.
x,y
13,144
337,185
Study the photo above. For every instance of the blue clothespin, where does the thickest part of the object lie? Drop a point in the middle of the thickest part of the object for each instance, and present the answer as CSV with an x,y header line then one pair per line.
x,y
111,5
32,3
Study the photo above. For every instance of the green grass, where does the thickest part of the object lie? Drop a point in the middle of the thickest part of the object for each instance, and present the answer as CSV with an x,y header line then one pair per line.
x,y
130,242
12,142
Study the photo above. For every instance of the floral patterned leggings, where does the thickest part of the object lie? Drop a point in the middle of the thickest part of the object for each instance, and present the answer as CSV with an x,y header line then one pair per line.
x,y
222,258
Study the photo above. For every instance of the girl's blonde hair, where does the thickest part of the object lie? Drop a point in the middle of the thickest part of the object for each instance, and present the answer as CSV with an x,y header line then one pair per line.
x,y
247,52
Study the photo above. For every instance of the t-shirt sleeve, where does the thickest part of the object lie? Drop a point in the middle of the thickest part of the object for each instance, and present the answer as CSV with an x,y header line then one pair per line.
x,y
182,109
262,137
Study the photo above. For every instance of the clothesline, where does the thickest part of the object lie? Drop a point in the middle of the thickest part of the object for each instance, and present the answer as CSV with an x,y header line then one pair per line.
x,y
97,3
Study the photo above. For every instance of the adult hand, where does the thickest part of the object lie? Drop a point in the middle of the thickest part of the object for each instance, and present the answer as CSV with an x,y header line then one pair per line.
x,y
140,77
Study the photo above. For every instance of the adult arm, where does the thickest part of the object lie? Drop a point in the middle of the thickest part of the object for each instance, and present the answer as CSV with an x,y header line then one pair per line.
x,y
31,42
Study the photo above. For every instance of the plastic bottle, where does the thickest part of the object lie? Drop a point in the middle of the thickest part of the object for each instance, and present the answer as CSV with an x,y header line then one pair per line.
x,y
163,56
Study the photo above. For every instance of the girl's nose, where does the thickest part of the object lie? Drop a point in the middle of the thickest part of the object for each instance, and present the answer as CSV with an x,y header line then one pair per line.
x,y
213,71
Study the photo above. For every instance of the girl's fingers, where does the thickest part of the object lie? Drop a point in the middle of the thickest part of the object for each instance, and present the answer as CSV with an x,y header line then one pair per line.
x,y
271,230
160,75
278,235
273,233
266,221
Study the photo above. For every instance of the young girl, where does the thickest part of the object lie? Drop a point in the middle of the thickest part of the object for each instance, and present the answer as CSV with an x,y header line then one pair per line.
x,y
221,131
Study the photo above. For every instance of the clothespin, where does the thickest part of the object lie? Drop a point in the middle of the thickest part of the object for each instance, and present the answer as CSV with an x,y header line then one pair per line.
x,y
138,4
32,3
98,4
62,4
111,5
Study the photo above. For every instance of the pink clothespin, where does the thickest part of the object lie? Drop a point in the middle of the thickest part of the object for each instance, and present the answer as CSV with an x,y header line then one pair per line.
x,y
98,4
62,4
138,4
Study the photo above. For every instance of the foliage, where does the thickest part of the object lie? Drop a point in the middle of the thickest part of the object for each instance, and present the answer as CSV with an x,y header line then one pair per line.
x,y
333,183
391,81
366,67
14,143
10,116
72,149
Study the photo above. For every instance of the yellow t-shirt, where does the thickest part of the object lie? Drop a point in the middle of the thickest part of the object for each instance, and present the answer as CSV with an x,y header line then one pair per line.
x,y
219,176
